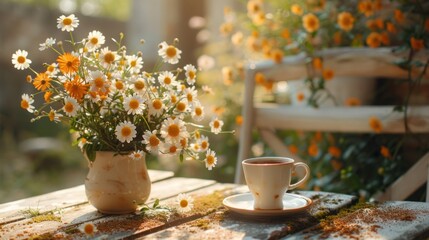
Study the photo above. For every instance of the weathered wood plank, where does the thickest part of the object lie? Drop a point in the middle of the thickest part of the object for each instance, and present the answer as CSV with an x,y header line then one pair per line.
x,y
59,199
76,215
390,220
224,224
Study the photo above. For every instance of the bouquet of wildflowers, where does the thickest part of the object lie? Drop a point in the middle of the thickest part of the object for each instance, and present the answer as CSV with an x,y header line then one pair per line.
x,y
113,104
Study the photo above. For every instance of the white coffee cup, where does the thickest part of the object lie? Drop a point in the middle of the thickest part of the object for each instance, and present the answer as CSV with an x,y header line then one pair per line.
x,y
268,179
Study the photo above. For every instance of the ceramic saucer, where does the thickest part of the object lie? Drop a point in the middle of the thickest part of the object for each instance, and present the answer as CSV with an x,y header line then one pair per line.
x,y
243,204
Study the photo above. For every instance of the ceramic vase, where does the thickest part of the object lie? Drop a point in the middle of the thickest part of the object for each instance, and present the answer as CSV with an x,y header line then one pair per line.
x,y
117,184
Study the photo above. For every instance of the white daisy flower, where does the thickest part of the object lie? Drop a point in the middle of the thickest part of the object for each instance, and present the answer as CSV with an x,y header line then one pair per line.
x,y
206,62
167,79
156,107
172,130
26,102
98,82
138,85
204,143
135,63
152,141
137,155
190,73
68,23
54,116
134,104
211,159
169,53
172,97
52,69
171,148
70,106
216,125
191,95
88,228
107,57
118,85
185,203
182,107
197,112
207,90
20,60
49,42
95,40
82,143
125,131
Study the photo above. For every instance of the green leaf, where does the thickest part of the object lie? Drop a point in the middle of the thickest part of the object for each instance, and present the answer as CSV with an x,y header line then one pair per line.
x,y
156,203
90,154
181,158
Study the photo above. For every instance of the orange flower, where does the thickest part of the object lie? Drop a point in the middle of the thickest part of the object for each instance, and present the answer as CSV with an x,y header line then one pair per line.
x,y
337,38
293,149
375,124
374,39
269,85
399,16
68,63
296,9
285,33
300,97
385,39
352,101
260,78
334,151
417,44
317,63
317,136
76,88
310,22
277,55
345,21
226,28
385,152
239,120
313,150
42,81
328,74
366,7
391,27
47,96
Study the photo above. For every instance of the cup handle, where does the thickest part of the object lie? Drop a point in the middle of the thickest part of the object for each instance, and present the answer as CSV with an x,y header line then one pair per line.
x,y
307,174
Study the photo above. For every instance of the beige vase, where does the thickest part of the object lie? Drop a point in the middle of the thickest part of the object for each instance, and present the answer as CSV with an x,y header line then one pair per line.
x,y
116,184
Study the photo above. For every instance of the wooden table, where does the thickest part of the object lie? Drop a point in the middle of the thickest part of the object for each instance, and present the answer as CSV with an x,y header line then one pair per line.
x,y
59,215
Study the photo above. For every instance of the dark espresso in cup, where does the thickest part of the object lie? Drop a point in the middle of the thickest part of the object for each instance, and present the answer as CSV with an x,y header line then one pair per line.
x,y
265,162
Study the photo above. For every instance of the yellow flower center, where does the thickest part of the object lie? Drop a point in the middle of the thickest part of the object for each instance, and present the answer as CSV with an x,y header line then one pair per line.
x,y
171,51
167,80
139,85
198,111
181,106
89,229
133,63
173,149
173,99
109,57
173,130
67,21
69,107
94,40
25,104
21,59
134,104
50,68
157,104
51,116
191,74
183,203
210,159
153,141
204,144
99,82
126,131
216,124
119,85
189,97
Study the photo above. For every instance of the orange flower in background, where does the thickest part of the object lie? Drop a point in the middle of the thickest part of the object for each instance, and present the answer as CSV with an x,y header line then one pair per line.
x,y
293,149
226,28
310,22
76,88
285,33
296,9
277,55
260,78
337,38
375,124
239,120
345,21
366,7
313,150
385,152
417,44
374,39
334,151
317,63
328,74
254,7
385,39
47,96
317,136
300,97
68,63
391,27
42,81
352,101
399,16
269,85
